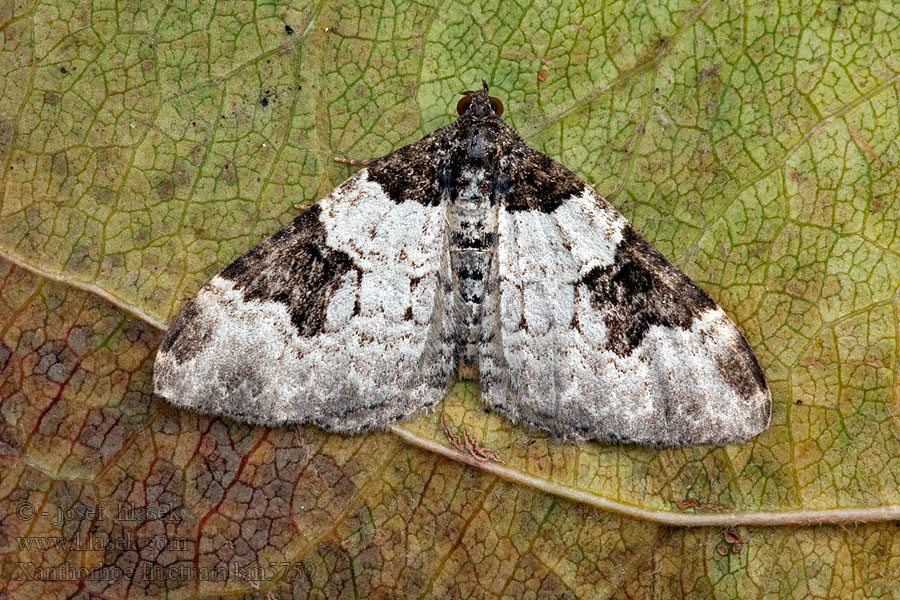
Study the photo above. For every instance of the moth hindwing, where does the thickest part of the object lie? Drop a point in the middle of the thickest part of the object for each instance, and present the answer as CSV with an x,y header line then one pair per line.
x,y
467,251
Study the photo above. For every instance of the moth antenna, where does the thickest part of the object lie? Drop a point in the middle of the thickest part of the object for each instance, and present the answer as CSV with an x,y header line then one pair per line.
x,y
484,83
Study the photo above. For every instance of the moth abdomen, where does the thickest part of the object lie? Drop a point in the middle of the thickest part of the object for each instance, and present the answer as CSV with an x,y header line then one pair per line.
x,y
472,219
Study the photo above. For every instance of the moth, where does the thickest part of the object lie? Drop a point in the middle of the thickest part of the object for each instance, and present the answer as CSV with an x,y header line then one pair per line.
x,y
466,252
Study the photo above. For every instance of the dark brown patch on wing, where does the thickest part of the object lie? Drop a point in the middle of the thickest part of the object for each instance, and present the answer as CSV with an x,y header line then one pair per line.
x,y
416,172
632,294
187,334
294,267
537,182
742,371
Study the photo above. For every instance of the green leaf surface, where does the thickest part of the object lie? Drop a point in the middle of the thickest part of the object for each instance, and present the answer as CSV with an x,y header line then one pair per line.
x,y
144,146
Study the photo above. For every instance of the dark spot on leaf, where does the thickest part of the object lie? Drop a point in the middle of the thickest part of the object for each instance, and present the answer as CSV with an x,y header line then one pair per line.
x,y
267,97
5,355
79,339
7,131
59,164
165,189
708,71
10,439
288,29
102,194
104,431
56,361
229,175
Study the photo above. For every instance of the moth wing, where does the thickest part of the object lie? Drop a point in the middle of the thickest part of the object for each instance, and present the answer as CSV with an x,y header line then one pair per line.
x,y
340,319
597,336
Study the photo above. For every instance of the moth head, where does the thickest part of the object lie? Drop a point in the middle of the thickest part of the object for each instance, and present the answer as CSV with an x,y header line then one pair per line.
x,y
479,103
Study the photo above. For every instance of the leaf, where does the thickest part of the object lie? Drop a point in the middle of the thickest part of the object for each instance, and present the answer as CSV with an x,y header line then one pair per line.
x,y
145,147
141,499
134,498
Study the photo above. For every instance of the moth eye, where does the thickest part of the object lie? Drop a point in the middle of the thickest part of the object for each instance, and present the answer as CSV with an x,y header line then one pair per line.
x,y
497,105
463,104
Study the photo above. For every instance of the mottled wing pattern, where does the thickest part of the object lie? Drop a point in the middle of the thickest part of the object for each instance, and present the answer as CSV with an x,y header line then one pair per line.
x,y
598,336
340,319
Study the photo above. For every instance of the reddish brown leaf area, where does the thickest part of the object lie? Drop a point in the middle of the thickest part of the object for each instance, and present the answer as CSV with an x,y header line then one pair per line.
x,y
109,491
74,383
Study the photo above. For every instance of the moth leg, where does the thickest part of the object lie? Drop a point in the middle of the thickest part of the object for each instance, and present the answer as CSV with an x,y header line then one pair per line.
x,y
356,162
